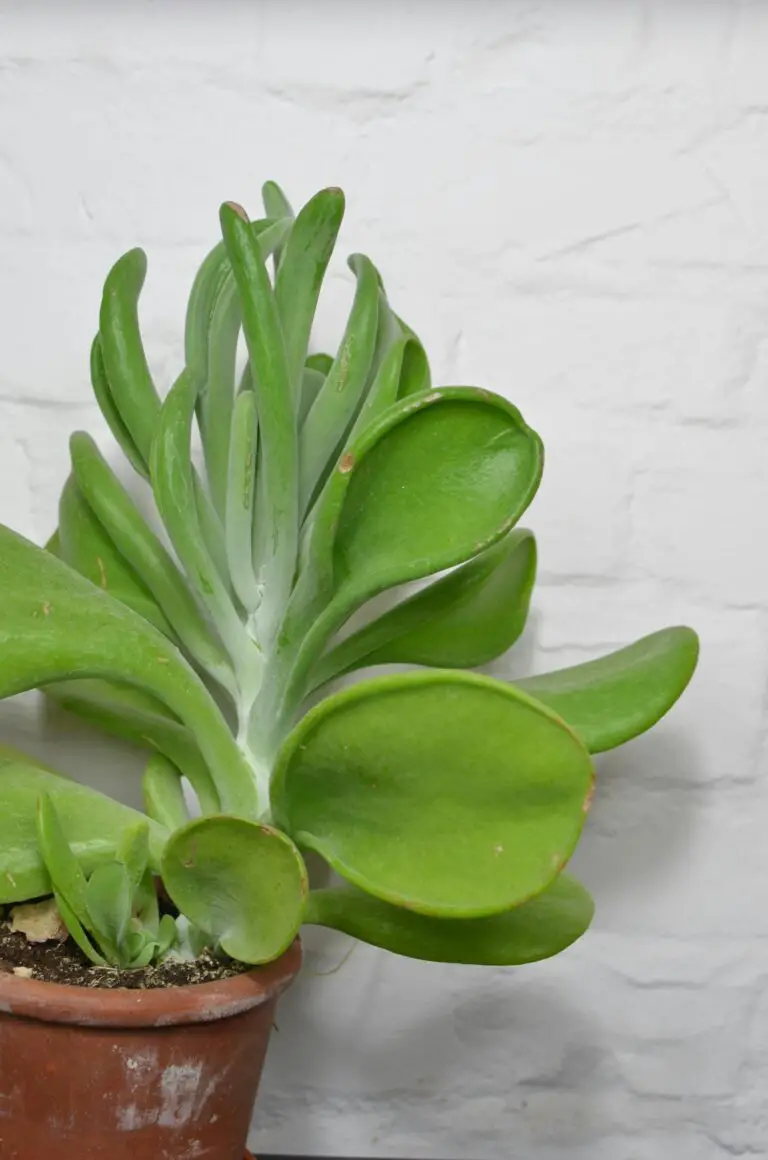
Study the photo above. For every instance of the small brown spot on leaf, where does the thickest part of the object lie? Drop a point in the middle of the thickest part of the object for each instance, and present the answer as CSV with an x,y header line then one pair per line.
x,y
163,660
346,463
238,209
46,609
588,799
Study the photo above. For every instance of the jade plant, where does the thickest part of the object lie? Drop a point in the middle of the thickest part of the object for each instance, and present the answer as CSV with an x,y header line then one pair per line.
x,y
292,487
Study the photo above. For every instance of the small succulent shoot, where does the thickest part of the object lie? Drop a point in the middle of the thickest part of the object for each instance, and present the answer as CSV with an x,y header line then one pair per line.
x,y
112,913
448,802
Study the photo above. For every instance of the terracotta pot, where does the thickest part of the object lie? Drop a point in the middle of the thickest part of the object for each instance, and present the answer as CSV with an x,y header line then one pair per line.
x,y
134,1075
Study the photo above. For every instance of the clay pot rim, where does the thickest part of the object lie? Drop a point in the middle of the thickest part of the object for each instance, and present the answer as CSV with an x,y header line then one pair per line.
x,y
162,1007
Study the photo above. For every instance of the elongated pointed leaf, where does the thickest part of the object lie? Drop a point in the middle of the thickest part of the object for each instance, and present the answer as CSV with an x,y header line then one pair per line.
x,y
55,625
338,399
267,350
77,931
613,699
415,377
124,526
241,485
173,487
109,908
164,794
436,791
86,547
467,618
536,930
60,862
103,395
136,716
276,205
242,883
210,343
133,853
300,273
131,385
93,824
311,385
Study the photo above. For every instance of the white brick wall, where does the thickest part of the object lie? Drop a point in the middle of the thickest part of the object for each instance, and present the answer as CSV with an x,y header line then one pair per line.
x,y
569,199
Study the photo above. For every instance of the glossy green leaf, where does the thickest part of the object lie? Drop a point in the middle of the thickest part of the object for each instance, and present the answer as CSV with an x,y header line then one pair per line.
x,y
134,541
276,205
241,486
85,546
210,342
383,392
438,479
300,274
77,931
173,487
167,936
278,447
338,399
136,716
320,361
438,791
60,862
242,883
415,376
93,825
613,699
125,362
55,625
465,619
311,385
103,395
164,794
108,897
535,930
133,853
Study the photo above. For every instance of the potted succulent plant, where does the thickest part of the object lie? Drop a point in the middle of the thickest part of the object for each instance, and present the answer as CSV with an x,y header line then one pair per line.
x,y
446,802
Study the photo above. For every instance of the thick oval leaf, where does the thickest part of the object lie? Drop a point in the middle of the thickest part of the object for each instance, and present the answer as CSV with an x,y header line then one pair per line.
x,y
438,479
94,825
437,791
55,625
86,547
613,699
535,930
242,883
465,619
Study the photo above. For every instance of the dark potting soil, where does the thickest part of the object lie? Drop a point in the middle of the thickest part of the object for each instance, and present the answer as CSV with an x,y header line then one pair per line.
x,y
55,962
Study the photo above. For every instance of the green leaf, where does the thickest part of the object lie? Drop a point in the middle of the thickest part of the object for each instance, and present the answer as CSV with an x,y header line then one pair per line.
x,y
124,526
103,395
60,862
320,362
338,399
278,449
415,376
125,362
438,479
77,931
276,205
535,930
211,336
55,625
133,853
167,935
164,794
138,717
86,547
174,491
109,907
92,824
613,699
383,392
311,385
242,883
241,485
437,791
301,271
467,618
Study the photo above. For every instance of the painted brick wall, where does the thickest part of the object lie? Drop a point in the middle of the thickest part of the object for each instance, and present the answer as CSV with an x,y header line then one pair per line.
x,y
570,202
